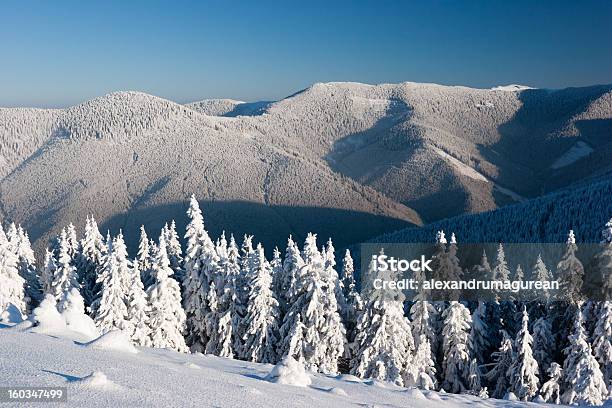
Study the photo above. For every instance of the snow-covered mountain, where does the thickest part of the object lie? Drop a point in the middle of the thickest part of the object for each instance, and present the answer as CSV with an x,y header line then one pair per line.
x,y
343,159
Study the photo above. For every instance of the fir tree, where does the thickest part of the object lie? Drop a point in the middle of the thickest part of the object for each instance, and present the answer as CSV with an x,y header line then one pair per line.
x,y
602,341
583,381
175,252
551,389
499,376
200,266
143,258
524,369
421,372
456,349
48,272
166,316
11,283
261,319
138,309
110,309
570,272
65,276
543,344
26,265
90,261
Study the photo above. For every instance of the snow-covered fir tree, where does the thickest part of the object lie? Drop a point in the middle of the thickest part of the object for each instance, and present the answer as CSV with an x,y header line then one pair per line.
x,y
551,389
603,261
201,263
26,265
292,266
65,275
421,372
583,381
524,370
498,376
540,273
48,272
354,303
480,343
11,283
570,272
543,344
144,257
312,330
138,309
166,316
175,252
456,347
73,242
111,309
602,341
261,319
90,260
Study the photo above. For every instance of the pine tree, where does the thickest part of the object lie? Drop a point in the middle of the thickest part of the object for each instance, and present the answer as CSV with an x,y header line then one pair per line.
x,y
201,263
422,370
543,344
73,242
261,319
65,276
138,309
292,266
456,348
479,335
312,331
110,309
175,252
541,273
524,369
570,272
583,381
26,265
603,261
499,376
166,316
11,283
602,341
49,268
551,389
143,258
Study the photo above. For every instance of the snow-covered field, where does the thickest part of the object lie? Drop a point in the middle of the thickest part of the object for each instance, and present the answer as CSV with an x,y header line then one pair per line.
x,y
162,378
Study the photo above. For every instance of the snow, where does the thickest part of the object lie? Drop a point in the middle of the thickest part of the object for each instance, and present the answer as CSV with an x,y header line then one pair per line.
x,y
511,88
11,314
575,153
114,340
290,372
462,168
159,377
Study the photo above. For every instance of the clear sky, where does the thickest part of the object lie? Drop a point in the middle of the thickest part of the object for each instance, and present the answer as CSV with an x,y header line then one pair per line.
x,y
61,53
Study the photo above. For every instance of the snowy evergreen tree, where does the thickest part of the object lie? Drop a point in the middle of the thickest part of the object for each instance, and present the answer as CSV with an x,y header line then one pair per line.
x,y
551,389
602,341
501,271
138,309
175,252
421,372
110,309
543,344
26,265
583,381
73,242
570,272
144,257
289,285
277,274
499,376
166,316
524,370
11,283
65,276
48,272
90,261
456,347
354,303
242,283
201,263
312,330
603,262
479,335
541,273
261,319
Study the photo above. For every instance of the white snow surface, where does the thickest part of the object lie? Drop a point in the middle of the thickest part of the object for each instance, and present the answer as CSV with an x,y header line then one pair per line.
x,y
575,153
164,378
114,340
290,372
511,88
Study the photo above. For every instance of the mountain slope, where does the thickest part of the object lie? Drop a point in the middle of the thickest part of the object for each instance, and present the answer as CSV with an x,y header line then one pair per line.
x,y
131,158
343,159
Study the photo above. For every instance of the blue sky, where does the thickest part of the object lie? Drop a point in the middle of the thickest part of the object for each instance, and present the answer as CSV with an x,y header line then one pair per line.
x,y
61,53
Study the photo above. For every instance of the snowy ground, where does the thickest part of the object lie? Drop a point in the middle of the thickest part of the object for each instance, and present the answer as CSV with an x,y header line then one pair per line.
x,y
154,377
